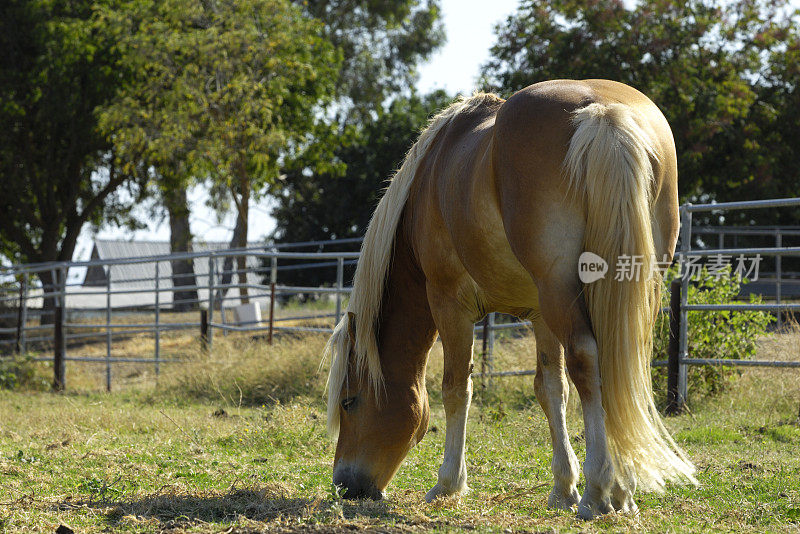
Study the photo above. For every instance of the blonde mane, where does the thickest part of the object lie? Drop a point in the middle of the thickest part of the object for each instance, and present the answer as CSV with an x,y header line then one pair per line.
x,y
373,266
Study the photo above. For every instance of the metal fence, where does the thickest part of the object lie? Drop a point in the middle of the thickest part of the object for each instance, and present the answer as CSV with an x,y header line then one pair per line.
x,y
679,358
58,320
64,317
44,310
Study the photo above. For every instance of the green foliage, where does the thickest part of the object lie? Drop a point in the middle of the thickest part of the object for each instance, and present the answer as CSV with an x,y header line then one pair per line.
x,y
21,372
712,334
216,89
382,43
723,73
330,185
334,197
160,93
56,166
337,199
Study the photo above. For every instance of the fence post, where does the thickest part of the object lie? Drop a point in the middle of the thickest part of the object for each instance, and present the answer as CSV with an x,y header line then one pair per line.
x,y
273,279
674,406
683,330
108,329
484,348
20,327
222,319
59,337
210,317
778,275
339,287
204,329
22,339
158,319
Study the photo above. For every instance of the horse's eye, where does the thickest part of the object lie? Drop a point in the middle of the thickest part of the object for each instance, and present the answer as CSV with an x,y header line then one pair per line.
x,y
348,403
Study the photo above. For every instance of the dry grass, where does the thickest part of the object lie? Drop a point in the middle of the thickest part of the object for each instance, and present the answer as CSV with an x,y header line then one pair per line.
x,y
234,441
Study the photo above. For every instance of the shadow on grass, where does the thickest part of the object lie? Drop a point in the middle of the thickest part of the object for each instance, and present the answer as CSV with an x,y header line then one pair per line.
x,y
261,504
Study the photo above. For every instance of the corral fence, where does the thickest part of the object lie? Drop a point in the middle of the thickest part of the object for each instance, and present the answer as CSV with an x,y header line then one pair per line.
x,y
229,290
84,311
678,353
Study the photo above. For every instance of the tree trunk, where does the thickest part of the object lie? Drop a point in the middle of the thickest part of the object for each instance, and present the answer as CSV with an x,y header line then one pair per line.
x,y
50,284
243,209
184,282
227,266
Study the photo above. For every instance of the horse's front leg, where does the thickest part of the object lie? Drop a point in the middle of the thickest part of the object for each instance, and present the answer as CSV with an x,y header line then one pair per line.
x,y
455,328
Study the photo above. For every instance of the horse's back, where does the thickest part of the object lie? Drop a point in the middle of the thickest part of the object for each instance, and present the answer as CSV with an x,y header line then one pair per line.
x,y
543,217
492,199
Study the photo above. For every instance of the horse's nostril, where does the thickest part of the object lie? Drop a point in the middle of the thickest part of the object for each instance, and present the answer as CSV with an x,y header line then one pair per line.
x,y
355,484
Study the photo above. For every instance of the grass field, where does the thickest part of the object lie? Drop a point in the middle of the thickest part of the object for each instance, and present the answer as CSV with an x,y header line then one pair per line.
x,y
235,442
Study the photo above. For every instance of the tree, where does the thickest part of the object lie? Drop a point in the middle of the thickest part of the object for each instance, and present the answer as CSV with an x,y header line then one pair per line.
x,y
778,115
174,198
219,90
329,185
381,43
57,169
701,61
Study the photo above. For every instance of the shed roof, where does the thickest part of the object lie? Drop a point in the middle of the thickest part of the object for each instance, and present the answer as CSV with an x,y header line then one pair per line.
x,y
143,274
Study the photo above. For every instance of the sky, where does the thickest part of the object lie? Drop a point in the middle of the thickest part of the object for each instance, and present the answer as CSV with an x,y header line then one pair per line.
x,y
469,27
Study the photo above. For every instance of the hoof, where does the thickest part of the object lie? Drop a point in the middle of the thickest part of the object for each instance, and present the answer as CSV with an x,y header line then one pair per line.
x,y
440,491
622,500
589,510
625,505
560,500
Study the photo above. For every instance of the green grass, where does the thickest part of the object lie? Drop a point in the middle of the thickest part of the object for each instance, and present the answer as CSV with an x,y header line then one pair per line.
x,y
237,441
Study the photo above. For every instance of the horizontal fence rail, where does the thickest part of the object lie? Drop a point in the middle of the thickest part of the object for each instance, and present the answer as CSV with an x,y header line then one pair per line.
x,y
65,317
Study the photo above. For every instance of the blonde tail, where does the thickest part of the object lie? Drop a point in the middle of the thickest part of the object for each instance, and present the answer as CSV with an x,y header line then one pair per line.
x,y
608,164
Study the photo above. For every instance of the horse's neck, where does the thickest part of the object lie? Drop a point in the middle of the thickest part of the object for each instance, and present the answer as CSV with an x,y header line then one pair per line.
x,y
406,330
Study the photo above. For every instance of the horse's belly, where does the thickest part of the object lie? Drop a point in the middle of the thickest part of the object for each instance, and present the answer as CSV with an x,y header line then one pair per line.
x,y
501,282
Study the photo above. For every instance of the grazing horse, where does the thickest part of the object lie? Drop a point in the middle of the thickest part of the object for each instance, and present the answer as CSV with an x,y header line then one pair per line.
x,y
490,211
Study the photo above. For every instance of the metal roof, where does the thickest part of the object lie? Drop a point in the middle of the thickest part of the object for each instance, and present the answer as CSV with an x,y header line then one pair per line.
x,y
143,274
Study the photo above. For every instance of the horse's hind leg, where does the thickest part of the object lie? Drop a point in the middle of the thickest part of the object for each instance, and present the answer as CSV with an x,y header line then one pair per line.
x,y
563,309
552,392
455,327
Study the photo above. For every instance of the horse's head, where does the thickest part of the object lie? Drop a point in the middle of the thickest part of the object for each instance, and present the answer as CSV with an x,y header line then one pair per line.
x,y
376,428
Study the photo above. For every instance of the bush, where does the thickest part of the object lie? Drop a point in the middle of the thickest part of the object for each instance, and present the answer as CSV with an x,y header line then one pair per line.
x,y
21,372
718,334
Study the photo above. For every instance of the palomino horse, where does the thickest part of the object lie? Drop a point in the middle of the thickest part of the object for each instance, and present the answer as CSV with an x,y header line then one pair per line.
x,y
490,211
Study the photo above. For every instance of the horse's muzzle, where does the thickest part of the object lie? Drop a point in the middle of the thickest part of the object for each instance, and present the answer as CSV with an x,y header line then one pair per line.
x,y
355,483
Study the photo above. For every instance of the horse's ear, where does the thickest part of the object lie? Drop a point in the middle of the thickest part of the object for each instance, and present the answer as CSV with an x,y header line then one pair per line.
x,y
351,328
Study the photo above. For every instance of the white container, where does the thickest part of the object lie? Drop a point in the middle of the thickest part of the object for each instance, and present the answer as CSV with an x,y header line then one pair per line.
x,y
247,314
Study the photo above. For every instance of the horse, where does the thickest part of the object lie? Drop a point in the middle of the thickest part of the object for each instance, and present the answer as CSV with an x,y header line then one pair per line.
x,y
490,211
